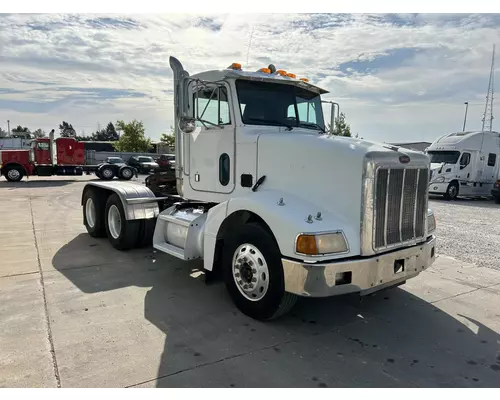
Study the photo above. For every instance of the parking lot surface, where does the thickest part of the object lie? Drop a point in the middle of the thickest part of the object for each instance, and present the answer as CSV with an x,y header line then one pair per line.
x,y
75,312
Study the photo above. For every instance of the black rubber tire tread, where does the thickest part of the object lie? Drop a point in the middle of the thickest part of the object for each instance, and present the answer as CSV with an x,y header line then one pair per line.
x,y
21,170
120,173
99,230
101,176
497,199
129,229
146,231
447,196
276,302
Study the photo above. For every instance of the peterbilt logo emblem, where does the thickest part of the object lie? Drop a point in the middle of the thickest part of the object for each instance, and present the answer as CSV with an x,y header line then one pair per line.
x,y
404,159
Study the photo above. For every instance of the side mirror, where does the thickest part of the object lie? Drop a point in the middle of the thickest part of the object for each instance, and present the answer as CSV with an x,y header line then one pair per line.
x,y
187,124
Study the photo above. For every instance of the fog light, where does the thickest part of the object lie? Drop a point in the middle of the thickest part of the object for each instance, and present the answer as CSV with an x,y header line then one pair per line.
x,y
321,243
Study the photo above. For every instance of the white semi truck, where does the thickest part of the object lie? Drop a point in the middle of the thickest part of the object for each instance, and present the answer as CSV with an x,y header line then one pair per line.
x,y
269,201
464,164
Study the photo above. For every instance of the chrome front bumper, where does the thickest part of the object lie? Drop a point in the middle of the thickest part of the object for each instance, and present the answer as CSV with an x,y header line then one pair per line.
x,y
365,275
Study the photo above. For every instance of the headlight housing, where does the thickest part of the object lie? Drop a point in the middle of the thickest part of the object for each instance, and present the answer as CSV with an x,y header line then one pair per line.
x,y
431,221
439,179
319,244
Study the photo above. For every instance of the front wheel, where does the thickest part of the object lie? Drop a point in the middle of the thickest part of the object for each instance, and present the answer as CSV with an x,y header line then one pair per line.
x,y
451,191
253,273
14,174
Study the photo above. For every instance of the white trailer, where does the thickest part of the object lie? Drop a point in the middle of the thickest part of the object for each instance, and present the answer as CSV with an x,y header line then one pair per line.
x,y
464,164
271,202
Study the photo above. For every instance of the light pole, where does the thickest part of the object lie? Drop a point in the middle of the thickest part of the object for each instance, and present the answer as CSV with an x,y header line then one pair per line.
x,y
465,117
8,126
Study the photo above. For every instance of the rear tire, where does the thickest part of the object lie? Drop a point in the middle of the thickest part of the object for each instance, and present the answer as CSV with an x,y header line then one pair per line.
x,y
256,286
126,173
146,231
497,199
106,173
451,191
121,233
93,214
14,174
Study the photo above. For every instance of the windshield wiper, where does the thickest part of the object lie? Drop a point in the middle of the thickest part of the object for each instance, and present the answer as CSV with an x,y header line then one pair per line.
x,y
272,121
313,124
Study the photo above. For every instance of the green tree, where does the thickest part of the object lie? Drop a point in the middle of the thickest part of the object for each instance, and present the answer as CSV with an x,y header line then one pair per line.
x,y
39,133
168,138
108,134
133,138
66,130
342,128
22,132
3,133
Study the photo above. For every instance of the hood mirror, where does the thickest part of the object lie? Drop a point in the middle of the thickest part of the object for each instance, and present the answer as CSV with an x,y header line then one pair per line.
x,y
187,124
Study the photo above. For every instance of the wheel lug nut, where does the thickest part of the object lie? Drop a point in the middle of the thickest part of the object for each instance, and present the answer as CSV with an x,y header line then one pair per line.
x,y
254,280
250,263
245,286
254,270
237,275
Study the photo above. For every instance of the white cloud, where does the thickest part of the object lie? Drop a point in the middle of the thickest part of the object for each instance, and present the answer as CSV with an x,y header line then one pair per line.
x,y
88,68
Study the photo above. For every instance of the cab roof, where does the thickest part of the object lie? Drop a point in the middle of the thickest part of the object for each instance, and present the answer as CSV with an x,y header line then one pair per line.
x,y
218,75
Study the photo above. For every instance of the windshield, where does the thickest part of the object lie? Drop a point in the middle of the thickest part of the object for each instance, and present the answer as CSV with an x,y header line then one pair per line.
x,y
448,157
145,159
264,103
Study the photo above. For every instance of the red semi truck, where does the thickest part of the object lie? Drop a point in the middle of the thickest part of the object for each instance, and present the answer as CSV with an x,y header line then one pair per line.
x,y
61,156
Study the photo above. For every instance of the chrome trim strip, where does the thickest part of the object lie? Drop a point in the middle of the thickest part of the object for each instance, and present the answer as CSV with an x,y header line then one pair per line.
x,y
386,205
401,206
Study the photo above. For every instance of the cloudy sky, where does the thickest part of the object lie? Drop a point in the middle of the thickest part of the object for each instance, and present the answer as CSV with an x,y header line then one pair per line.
x,y
397,77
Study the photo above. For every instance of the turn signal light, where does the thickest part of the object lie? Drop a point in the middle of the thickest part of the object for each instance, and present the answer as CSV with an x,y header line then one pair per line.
x,y
306,244
304,79
290,75
265,70
281,72
236,66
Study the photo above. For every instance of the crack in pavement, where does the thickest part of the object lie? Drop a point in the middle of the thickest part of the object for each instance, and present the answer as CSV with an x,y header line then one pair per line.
x,y
45,306
212,362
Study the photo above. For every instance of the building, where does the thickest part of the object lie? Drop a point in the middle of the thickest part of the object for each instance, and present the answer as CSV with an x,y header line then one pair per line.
x,y
417,146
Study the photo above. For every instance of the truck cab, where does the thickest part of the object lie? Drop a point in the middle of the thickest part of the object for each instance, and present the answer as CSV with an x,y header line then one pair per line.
x,y
464,164
269,200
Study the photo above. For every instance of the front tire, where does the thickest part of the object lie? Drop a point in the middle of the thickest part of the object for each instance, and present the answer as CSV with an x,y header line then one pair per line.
x,y
14,174
497,199
253,273
121,233
451,191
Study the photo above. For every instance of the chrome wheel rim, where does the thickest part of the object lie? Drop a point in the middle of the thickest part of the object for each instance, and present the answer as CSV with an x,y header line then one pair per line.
x,y
250,272
13,174
114,221
107,173
127,173
90,212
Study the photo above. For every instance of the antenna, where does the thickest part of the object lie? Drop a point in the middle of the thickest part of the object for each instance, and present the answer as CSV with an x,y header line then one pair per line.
x,y
488,109
249,43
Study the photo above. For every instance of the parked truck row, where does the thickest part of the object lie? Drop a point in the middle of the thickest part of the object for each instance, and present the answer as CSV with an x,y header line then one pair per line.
x,y
61,156
357,222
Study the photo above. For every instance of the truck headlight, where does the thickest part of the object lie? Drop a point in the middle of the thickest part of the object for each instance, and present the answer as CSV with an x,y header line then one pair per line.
x,y
316,244
431,221
439,179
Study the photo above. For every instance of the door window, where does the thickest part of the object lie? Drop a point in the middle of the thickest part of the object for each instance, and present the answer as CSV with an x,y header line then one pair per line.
x,y
492,158
464,160
42,146
211,107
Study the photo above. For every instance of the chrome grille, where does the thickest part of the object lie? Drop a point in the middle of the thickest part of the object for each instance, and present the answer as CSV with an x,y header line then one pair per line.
x,y
399,205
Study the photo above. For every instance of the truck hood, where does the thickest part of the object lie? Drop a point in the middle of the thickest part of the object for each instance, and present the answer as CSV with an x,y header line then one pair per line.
x,y
325,171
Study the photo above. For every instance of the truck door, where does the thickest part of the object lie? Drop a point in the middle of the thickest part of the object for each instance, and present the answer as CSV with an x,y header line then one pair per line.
x,y
490,168
42,152
211,144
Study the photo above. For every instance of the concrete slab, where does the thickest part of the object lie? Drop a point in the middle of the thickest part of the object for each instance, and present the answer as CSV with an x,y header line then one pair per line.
x,y
24,345
18,259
